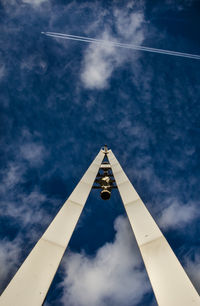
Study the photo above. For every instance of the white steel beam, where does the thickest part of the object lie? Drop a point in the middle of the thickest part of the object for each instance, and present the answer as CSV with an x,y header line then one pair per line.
x,y
170,283
30,284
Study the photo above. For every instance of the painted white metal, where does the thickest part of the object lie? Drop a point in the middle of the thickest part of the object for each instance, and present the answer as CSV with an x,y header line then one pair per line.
x,y
170,283
30,284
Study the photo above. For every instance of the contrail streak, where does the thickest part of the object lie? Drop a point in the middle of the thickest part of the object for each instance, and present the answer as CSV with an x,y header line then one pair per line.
x,y
120,45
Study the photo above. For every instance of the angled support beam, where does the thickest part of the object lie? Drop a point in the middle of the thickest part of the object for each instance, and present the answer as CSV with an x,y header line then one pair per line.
x,y
170,283
30,284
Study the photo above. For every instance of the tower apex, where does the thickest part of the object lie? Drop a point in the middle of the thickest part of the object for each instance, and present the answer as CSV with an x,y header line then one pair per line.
x,y
105,149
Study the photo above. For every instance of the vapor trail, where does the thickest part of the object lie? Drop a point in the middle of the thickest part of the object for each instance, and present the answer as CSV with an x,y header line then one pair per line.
x,y
120,45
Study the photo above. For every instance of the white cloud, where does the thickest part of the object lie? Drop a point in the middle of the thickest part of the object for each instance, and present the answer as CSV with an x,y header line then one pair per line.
x,y
35,2
12,175
28,149
2,71
179,5
177,215
25,206
99,63
34,62
9,258
32,152
129,25
113,275
101,60
192,267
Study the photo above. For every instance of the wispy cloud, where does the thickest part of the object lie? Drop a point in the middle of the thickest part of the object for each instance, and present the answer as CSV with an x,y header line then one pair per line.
x,y
21,207
9,258
179,5
192,267
33,152
2,71
100,61
25,205
113,276
34,2
177,215
34,63
11,176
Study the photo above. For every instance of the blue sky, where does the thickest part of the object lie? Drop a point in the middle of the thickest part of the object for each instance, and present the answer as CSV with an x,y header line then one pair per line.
x,y
61,101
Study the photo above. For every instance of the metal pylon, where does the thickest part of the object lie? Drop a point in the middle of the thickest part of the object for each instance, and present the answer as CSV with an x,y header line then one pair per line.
x,y
170,283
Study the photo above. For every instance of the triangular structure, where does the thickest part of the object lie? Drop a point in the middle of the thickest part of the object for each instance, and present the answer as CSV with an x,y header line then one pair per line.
x,y
170,283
